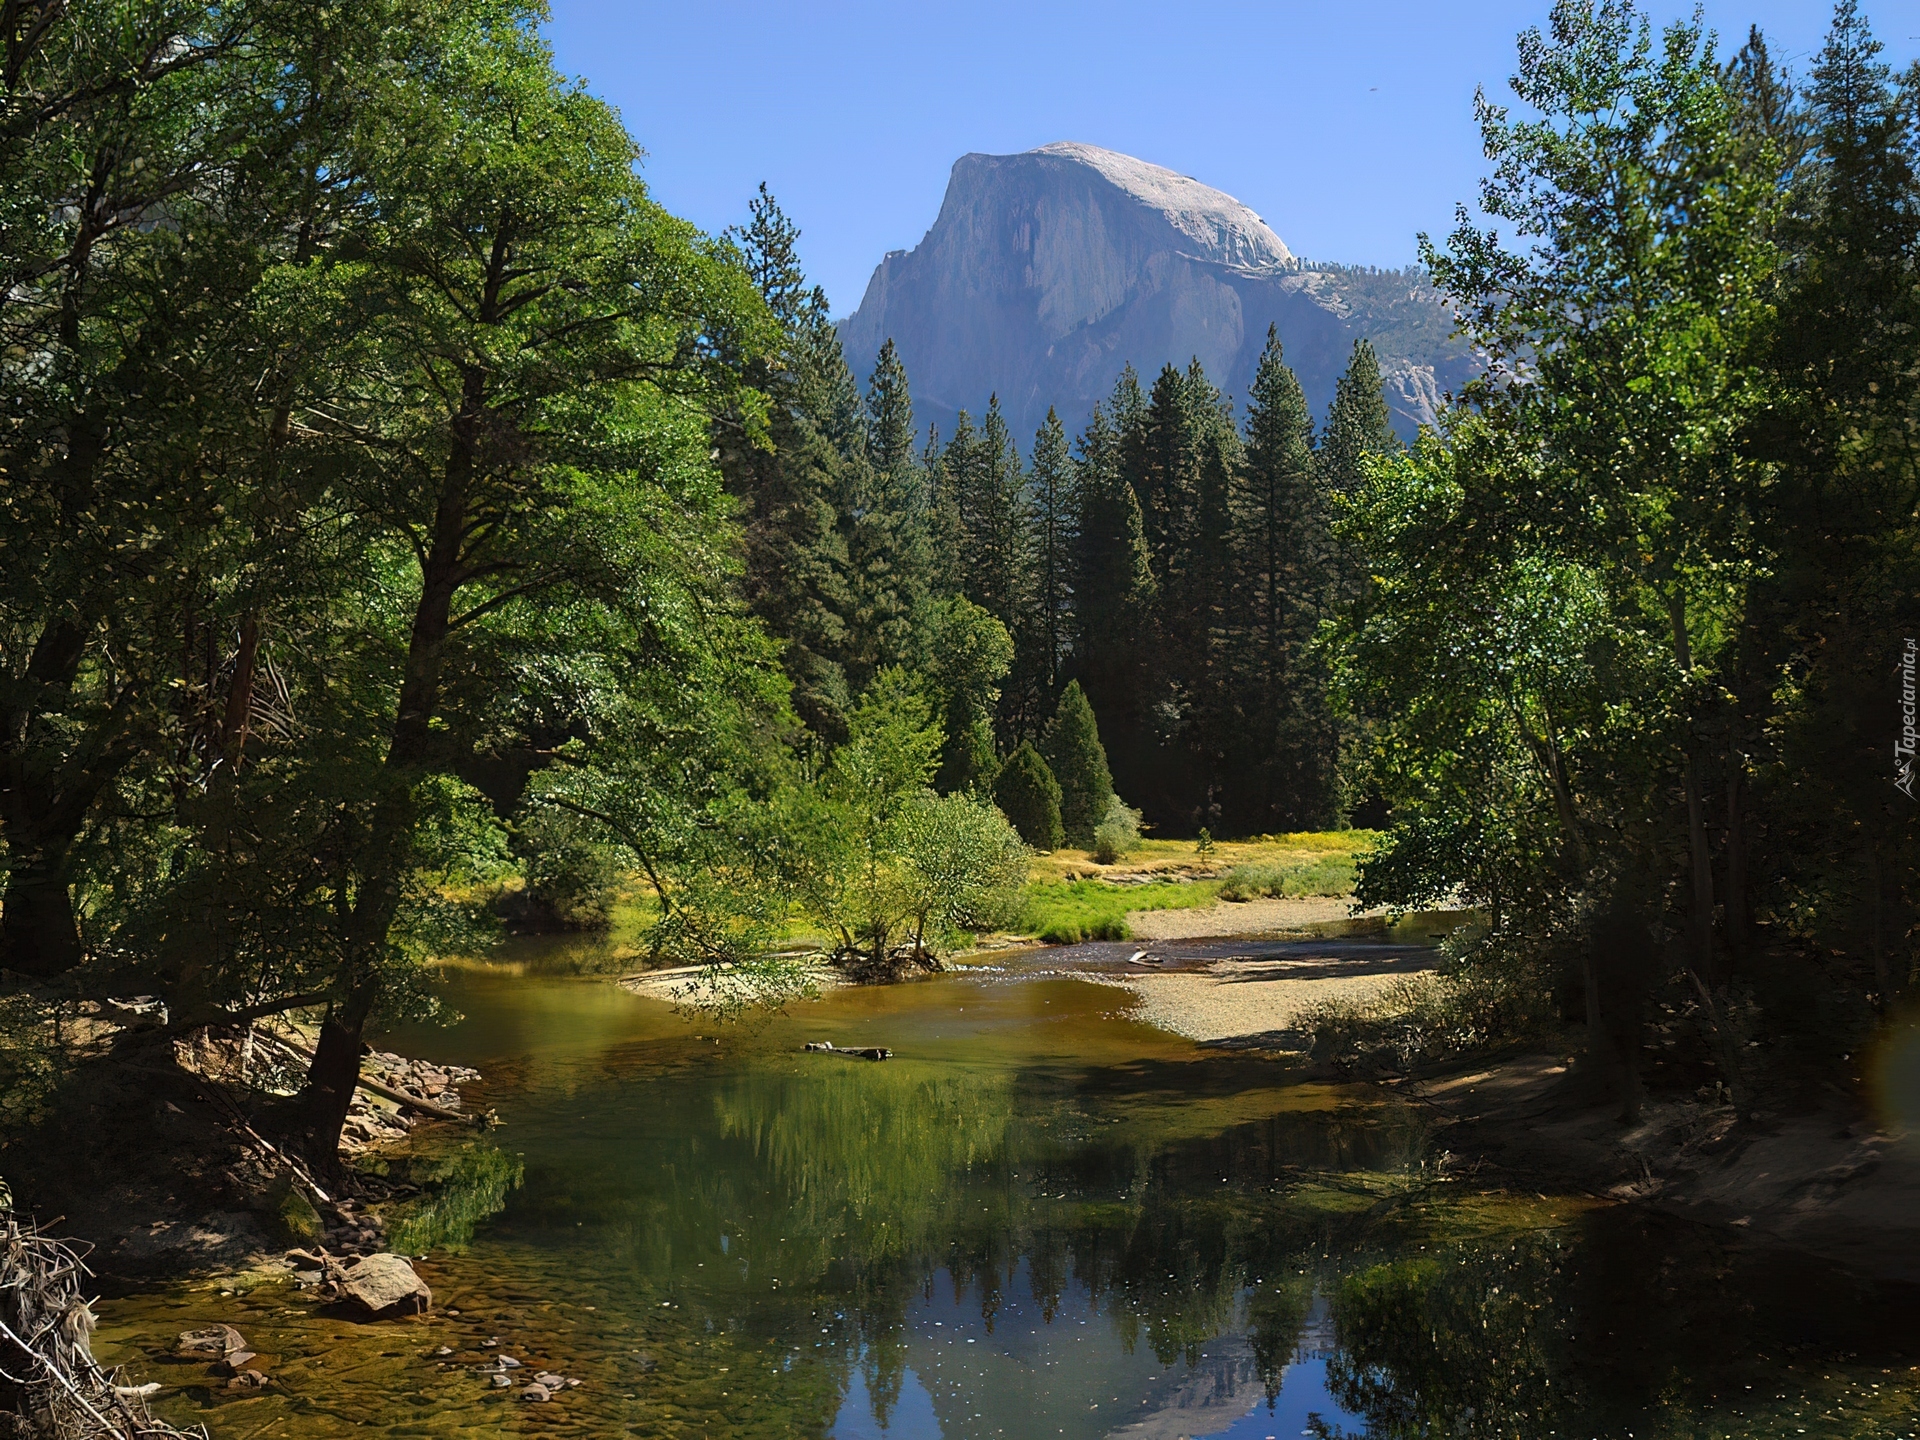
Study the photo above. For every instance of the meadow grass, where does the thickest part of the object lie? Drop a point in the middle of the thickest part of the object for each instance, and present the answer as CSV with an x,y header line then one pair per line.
x,y
1065,912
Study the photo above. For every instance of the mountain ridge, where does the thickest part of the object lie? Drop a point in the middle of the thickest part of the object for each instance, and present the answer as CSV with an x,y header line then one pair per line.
x,y
1048,271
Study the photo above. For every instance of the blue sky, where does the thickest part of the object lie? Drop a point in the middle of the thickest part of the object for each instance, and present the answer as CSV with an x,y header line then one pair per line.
x,y
1348,127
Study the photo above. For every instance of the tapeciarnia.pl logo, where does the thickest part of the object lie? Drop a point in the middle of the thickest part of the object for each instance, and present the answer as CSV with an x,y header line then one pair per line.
x,y
1903,747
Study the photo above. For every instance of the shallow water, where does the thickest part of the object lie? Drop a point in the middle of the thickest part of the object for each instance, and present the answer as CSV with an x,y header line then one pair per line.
x,y
1039,1219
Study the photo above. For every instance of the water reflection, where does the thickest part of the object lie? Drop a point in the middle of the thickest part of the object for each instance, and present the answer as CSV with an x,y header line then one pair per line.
x,y
1040,1220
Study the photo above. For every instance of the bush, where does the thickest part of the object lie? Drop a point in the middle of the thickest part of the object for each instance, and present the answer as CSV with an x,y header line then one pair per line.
x,y
1029,797
1118,832
1429,1019
572,874
1079,762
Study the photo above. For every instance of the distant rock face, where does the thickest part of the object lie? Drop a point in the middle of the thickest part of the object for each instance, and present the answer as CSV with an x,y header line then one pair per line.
x,y
1047,272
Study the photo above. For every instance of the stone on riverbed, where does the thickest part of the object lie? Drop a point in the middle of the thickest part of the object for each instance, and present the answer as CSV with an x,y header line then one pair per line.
x,y
384,1283
215,1342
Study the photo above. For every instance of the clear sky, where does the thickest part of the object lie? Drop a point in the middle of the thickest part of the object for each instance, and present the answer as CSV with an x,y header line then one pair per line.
x,y
1347,127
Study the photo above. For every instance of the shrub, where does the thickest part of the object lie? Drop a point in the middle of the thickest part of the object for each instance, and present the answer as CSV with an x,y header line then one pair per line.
x,y
1079,762
1429,1019
1029,797
1118,832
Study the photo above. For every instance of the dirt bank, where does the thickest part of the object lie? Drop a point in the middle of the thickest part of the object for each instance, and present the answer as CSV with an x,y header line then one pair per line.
x,y
1821,1177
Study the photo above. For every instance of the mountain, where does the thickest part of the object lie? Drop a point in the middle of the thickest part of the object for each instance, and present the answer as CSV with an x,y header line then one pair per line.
x,y
1048,271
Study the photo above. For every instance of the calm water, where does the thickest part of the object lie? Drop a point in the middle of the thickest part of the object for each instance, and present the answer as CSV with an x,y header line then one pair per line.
x,y
1040,1220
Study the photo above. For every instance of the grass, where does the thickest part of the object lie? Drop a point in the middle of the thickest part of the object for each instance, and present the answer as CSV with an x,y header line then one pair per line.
x,y
1071,897
1065,912
1324,875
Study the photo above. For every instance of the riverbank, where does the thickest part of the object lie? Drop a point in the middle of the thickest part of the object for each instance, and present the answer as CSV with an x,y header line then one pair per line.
x,y
1824,1178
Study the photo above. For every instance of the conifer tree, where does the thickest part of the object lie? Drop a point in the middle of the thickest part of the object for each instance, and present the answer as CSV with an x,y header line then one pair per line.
x,y
796,559
1358,423
1079,763
1114,589
1029,796
1286,733
1042,638
881,519
890,434
991,486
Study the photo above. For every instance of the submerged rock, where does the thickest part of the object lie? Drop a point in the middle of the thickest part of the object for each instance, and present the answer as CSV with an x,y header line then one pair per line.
x,y
214,1342
383,1283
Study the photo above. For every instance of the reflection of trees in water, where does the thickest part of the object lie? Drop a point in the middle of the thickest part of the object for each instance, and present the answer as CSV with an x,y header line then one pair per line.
x,y
796,1236
1621,1323
869,1185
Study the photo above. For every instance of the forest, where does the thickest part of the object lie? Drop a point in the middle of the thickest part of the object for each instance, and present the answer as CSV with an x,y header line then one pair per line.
x,y
400,510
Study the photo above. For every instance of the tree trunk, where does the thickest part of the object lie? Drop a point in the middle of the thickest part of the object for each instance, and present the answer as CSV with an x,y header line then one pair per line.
x,y
1738,918
334,1073
39,934
1700,853
1701,863
336,1060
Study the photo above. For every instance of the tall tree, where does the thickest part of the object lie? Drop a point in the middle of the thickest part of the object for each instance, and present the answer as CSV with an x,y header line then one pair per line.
x,y
789,480
530,407
1284,556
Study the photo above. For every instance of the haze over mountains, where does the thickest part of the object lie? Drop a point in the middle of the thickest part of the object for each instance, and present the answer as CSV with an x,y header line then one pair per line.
x,y
1049,271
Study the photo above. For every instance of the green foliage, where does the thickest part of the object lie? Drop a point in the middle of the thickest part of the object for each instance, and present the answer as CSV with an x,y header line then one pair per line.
x,y
1428,1020
572,871
968,651
1117,833
1078,761
1029,797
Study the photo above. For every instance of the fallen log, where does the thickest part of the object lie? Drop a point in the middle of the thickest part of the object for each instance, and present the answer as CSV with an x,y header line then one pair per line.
x,y
399,1097
858,1052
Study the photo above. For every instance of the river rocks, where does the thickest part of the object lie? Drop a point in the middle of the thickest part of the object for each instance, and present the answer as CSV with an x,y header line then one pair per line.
x,y
536,1392
248,1380
215,1342
383,1284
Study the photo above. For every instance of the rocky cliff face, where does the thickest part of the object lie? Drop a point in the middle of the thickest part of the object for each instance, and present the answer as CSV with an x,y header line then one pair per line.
x,y
1049,271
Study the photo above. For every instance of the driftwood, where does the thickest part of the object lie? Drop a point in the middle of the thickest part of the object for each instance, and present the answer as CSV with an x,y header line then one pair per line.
x,y
857,1052
58,1390
399,1097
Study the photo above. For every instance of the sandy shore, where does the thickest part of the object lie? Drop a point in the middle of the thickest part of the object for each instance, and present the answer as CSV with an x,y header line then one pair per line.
x,y
1260,1002
1249,917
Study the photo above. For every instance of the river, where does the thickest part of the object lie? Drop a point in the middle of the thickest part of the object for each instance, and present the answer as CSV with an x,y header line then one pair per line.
x,y
1040,1219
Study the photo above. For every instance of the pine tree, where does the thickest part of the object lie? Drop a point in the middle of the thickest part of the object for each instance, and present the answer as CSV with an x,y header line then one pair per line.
x,y
796,557
1041,632
890,434
1358,423
1029,796
1286,734
1079,763
989,487
1114,590
881,517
